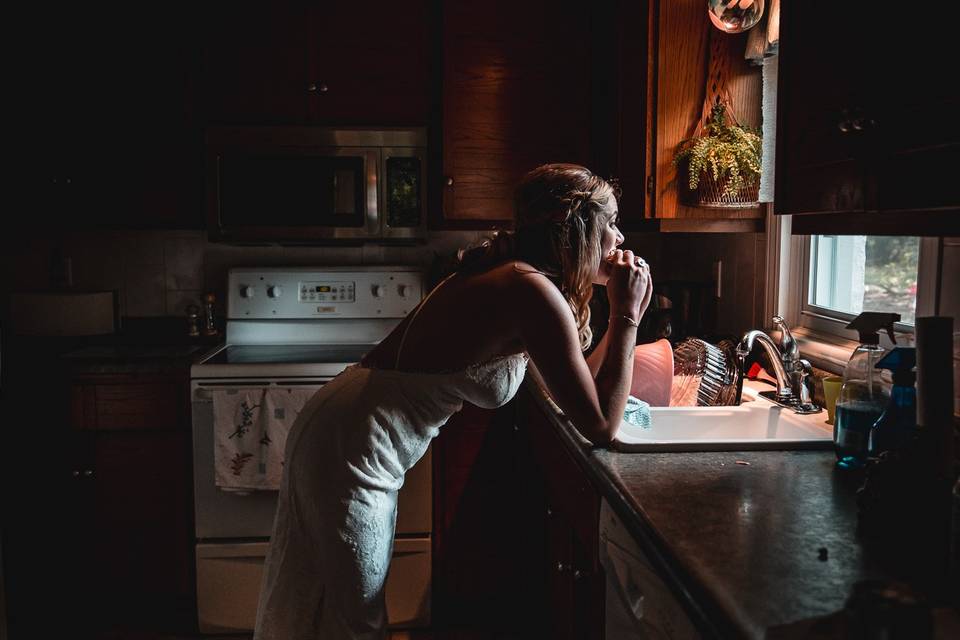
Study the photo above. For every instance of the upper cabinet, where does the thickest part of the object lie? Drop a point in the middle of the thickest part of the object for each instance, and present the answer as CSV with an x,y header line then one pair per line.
x,y
340,63
255,63
685,47
867,128
107,119
516,93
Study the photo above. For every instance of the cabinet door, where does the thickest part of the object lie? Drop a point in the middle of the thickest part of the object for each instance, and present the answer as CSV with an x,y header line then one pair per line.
x,y
141,507
516,94
488,533
108,119
864,123
255,63
685,40
369,64
822,92
912,114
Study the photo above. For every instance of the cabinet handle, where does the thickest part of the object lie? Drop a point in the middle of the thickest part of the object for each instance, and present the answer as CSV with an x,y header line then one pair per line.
x,y
562,567
857,124
76,473
844,126
549,512
88,473
449,181
578,575
313,87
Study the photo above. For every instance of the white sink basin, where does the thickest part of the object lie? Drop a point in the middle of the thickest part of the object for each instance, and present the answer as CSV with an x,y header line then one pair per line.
x,y
756,424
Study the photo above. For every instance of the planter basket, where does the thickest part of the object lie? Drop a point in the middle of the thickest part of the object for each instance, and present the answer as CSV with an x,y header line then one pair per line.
x,y
709,193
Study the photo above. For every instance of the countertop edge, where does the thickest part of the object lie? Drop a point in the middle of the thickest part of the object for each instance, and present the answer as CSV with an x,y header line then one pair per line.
x,y
708,615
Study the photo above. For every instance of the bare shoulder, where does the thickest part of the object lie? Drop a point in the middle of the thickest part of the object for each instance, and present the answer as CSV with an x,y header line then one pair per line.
x,y
529,289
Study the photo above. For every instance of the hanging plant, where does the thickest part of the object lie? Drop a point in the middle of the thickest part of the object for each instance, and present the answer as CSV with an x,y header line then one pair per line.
x,y
722,162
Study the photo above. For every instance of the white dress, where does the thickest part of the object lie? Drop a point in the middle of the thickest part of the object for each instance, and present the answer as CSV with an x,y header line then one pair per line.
x,y
346,457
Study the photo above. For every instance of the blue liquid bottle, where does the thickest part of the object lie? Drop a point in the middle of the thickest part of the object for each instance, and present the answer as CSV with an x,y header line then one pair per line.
x,y
898,424
862,396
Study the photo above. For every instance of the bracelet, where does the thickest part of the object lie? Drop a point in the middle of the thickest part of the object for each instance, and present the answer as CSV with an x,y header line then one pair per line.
x,y
630,321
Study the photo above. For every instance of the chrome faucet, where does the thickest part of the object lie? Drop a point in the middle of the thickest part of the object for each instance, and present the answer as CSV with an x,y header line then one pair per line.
x,y
793,373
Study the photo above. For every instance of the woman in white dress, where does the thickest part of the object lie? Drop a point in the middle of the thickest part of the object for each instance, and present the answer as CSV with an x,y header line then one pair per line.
x,y
523,294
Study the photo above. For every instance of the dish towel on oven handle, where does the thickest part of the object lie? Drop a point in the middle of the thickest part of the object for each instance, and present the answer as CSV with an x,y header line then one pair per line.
x,y
250,433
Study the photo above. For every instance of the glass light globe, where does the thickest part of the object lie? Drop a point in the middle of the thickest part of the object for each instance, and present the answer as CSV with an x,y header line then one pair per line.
x,y
734,16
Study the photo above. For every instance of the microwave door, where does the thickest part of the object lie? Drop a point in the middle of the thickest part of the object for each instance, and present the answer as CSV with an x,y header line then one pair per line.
x,y
404,210
297,194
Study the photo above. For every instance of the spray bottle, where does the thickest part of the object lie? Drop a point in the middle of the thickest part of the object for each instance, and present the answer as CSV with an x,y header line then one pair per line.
x,y
863,396
898,424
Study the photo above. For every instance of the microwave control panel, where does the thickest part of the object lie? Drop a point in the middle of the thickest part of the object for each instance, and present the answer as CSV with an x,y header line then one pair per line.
x,y
341,292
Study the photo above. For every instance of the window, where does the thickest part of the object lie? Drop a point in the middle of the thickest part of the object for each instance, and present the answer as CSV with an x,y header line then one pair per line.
x,y
850,274
819,283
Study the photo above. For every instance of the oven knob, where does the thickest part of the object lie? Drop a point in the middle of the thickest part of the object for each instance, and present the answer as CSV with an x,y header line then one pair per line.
x,y
275,291
403,290
378,291
247,291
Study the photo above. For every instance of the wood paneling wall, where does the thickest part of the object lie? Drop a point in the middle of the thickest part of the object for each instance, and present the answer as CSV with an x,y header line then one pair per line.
x,y
685,34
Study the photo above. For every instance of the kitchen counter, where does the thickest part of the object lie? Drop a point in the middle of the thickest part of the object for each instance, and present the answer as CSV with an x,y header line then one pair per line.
x,y
125,358
747,541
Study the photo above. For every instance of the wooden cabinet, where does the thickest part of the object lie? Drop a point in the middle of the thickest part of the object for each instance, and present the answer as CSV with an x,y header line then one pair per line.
x,y
131,534
106,124
517,87
336,63
488,527
681,56
573,576
254,63
616,88
867,121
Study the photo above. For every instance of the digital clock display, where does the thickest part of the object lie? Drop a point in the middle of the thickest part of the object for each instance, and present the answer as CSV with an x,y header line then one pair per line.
x,y
323,288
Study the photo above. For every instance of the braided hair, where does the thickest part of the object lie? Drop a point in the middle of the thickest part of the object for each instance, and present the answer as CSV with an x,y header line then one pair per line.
x,y
557,230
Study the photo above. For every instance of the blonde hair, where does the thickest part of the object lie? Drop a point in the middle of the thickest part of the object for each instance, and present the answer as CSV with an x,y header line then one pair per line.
x,y
558,230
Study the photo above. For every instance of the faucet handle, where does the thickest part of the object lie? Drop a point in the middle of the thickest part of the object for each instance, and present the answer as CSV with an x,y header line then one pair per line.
x,y
789,350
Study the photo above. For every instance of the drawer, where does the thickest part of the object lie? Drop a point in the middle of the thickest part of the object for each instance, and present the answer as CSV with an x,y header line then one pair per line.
x,y
149,404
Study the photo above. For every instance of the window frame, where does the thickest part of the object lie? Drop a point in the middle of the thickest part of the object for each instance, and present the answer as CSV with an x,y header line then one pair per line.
x,y
821,332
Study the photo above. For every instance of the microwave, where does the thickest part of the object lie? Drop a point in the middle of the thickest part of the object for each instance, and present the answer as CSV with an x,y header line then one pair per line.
x,y
302,185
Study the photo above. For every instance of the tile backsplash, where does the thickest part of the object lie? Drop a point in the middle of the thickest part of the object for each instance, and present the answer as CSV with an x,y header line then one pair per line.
x,y
160,273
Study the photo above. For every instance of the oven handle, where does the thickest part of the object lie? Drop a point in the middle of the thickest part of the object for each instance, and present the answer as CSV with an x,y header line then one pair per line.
x,y
203,390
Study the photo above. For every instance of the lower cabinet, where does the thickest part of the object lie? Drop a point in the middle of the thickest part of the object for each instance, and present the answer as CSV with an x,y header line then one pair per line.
x,y
131,502
515,529
488,540
574,580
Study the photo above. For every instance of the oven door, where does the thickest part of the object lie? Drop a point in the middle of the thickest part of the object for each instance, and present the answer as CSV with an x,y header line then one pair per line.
x,y
220,514
233,531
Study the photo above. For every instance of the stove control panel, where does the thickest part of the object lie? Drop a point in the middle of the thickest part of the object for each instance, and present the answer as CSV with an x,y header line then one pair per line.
x,y
343,292
337,292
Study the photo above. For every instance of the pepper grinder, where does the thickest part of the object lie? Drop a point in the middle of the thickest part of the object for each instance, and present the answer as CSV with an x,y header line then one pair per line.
x,y
209,329
193,320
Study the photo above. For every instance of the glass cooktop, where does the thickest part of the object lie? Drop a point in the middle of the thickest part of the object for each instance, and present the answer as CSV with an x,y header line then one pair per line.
x,y
289,354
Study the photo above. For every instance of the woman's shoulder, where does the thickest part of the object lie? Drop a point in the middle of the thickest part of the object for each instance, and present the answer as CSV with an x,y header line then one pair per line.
x,y
523,285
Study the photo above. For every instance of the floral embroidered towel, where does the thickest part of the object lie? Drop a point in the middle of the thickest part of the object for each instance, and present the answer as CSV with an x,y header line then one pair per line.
x,y
250,432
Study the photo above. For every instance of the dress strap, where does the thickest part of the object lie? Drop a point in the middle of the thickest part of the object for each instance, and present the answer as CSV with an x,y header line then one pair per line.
x,y
403,336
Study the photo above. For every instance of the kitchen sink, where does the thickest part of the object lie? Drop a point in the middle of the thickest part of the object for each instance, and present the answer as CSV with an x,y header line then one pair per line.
x,y
756,424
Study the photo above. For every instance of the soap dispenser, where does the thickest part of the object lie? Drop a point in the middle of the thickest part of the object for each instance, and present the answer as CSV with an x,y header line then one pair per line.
x,y
863,396
898,423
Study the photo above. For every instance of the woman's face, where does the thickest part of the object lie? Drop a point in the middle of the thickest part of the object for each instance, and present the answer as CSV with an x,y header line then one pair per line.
x,y
610,238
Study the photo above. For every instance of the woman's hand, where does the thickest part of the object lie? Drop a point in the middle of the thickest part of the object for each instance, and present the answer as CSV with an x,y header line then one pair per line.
x,y
629,287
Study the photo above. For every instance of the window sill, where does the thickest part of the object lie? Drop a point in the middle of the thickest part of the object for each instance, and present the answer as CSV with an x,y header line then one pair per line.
x,y
824,351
